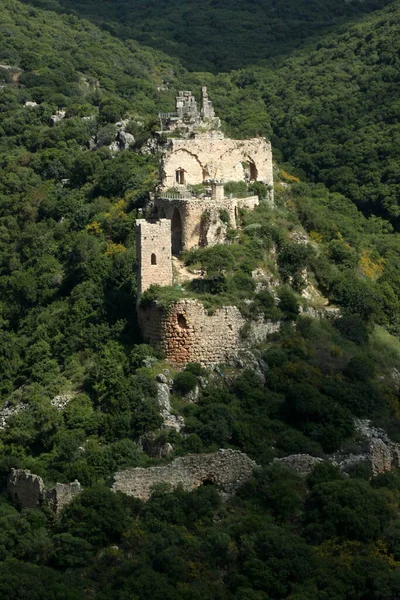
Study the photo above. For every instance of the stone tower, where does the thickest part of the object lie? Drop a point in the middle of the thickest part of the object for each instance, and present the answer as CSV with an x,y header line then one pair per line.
x,y
153,251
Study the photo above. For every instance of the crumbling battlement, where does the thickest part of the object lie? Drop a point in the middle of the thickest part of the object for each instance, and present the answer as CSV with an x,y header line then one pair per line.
x,y
27,490
226,469
185,332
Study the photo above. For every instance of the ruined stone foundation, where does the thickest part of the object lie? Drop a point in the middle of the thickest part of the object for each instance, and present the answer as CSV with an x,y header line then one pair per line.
x,y
185,332
27,490
226,469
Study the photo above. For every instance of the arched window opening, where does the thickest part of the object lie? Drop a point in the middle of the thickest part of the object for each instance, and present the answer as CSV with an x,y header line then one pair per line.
x,y
153,259
182,321
180,176
176,229
253,172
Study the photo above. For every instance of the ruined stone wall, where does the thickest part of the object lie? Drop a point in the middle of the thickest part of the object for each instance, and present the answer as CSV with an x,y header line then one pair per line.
x,y
192,211
153,251
185,332
27,490
207,157
227,469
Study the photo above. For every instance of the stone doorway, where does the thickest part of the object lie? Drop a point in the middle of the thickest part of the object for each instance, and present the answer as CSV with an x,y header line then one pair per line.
x,y
176,228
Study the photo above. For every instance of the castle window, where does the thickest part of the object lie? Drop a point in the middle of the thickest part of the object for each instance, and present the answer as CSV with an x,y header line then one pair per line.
x,y
253,172
182,321
153,259
180,176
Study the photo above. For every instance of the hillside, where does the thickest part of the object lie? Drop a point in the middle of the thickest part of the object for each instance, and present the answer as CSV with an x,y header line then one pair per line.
x,y
214,35
81,397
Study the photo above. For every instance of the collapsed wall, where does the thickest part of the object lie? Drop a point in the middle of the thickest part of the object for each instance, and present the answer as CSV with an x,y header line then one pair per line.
x,y
27,490
226,469
185,332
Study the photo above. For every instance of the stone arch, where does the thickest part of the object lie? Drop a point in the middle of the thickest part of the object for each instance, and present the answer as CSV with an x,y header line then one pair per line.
x,y
181,160
177,231
153,259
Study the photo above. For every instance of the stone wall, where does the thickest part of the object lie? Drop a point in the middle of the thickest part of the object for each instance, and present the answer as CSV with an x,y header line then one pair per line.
x,y
193,215
207,157
27,490
185,332
226,469
153,251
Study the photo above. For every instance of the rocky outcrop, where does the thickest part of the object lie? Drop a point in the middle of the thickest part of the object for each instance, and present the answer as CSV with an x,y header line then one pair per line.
x,y
226,469
9,410
123,139
170,421
58,116
27,490
303,464
374,448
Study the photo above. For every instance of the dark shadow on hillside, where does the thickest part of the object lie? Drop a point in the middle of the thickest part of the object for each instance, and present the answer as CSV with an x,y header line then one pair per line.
x,y
216,35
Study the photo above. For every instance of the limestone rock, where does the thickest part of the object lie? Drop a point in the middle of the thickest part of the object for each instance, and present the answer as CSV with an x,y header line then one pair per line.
x,y
381,456
62,400
170,421
7,411
59,115
161,378
303,464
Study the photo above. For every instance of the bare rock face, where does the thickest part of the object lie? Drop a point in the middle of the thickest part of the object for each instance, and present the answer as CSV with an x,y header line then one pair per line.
x,y
383,453
59,115
123,139
6,412
170,421
226,469
381,456
303,464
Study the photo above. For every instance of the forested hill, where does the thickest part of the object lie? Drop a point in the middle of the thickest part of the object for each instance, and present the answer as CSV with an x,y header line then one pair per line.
x,y
80,393
215,35
334,111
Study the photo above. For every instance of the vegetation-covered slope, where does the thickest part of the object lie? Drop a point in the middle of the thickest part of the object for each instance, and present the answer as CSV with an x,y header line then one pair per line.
x,y
67,325
213,35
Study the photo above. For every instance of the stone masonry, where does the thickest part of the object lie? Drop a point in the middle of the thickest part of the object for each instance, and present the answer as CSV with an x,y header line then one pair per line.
x,y
194,161
153,251
27,490
192,215
187,333
226,469
202,153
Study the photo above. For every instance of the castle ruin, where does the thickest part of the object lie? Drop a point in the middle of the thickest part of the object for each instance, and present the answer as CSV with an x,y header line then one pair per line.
x,y
192,210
